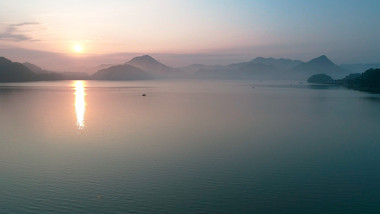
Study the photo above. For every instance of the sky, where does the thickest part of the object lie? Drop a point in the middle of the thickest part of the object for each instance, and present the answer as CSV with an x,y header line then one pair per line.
x,y
180,32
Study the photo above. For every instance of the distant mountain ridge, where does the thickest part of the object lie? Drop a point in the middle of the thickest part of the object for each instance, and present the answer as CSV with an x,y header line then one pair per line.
x,y
280,64
272,68
146,67
258,68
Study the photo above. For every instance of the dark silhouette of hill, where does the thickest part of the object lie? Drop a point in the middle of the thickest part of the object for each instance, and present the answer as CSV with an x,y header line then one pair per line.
x,y
121,72
368,81
15,72
152,66
317,65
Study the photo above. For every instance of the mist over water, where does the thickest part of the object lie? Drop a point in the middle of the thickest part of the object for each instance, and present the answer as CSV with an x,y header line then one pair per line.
x,y
188,147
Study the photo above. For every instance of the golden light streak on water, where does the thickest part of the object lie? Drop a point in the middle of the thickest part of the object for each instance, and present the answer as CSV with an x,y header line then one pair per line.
x,y
80,103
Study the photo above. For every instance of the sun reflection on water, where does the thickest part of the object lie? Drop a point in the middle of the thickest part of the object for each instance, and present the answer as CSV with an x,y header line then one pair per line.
x,y
80,103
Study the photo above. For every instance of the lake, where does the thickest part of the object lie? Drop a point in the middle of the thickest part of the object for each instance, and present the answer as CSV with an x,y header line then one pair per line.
x,y
188,147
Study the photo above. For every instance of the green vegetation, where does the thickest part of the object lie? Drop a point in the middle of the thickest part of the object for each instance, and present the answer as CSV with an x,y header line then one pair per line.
x,y
368,81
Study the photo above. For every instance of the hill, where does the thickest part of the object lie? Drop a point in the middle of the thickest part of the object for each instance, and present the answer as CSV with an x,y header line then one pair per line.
x,y
15,72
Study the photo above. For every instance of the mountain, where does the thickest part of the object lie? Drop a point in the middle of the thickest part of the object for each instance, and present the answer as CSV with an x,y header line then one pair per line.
x,y
280,64
121,72
15,72
317,65
258,68
360,68
152,66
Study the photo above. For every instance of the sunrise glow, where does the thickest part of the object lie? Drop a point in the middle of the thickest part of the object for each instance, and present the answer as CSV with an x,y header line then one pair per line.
x,y
78,48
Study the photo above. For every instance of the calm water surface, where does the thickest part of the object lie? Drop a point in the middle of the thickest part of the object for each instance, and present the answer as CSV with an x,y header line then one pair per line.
x,y
188,147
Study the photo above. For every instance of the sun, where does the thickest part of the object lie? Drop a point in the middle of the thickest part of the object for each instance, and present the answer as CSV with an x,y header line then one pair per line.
x,y
78,48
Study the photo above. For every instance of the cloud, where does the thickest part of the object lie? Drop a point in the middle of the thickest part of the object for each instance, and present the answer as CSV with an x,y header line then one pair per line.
x,y
26,23
12,32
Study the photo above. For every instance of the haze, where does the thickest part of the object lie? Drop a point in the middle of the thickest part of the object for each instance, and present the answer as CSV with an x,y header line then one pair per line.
x,y
202,106
180,33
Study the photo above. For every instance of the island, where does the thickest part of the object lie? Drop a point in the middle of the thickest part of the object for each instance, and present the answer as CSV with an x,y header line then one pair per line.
x,y
321,79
